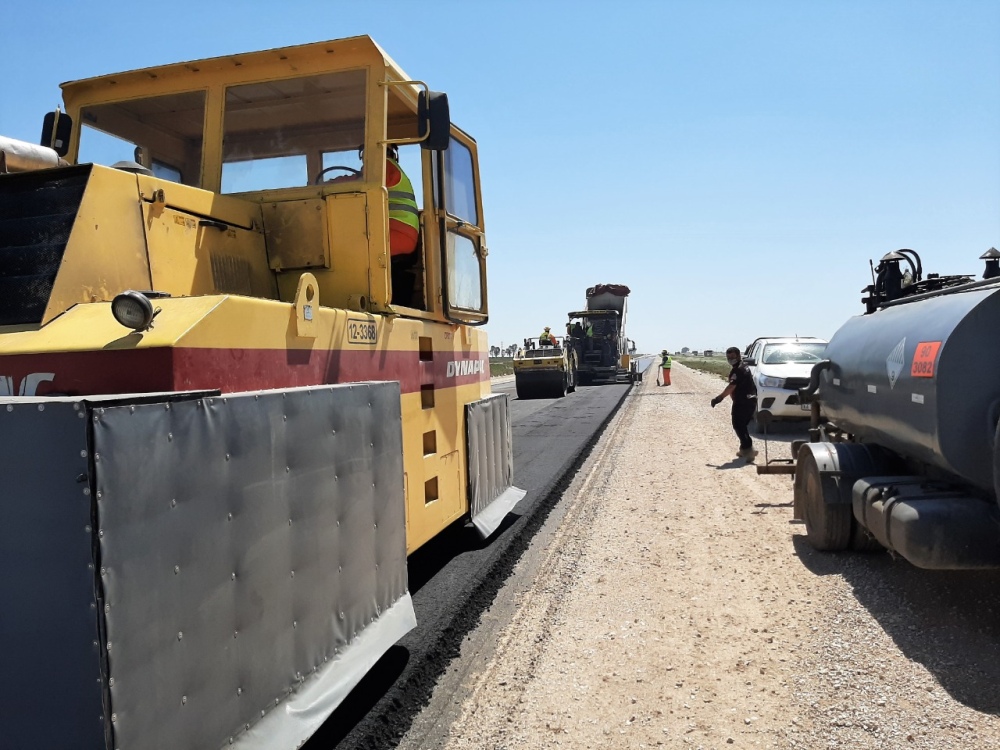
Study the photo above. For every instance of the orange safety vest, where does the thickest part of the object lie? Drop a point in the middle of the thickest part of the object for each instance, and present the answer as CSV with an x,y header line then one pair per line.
x,y
404,216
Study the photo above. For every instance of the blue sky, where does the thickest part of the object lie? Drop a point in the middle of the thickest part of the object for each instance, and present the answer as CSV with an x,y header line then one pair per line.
x,y
735,163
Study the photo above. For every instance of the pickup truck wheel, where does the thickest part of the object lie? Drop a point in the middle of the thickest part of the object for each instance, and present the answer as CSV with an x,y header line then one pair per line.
x,y
761,426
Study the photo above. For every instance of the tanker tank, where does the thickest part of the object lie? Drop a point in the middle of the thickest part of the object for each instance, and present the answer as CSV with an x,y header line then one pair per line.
x,y
904,450
920,378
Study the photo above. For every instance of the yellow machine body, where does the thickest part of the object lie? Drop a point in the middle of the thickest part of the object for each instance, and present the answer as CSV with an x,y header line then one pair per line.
x,y
270,274
544,371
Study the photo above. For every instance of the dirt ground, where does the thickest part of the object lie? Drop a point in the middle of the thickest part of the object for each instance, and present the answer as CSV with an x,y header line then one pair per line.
x,y
671,603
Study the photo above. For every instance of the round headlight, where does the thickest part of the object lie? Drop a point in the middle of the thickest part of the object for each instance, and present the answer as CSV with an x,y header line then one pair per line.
x,y
133,310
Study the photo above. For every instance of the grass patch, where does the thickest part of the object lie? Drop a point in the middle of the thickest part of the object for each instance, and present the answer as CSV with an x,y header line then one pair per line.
x,y
715,365
501,366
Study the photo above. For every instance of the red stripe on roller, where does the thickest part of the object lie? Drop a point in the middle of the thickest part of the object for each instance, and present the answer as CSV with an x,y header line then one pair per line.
x,y
232,370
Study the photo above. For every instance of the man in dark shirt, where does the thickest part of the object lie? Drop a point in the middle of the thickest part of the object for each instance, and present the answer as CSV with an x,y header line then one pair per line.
x,y
744,394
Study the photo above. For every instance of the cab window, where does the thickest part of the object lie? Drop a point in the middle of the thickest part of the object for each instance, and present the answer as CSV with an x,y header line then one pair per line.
x,y
460,183
293,132
163,133
464,288
464,260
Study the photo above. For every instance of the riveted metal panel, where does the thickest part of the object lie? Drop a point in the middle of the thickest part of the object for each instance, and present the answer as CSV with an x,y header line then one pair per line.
x,y
249,544
51,691
491,462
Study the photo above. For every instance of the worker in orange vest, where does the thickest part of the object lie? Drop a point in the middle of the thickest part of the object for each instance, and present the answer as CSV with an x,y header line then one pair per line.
x,y
404,214
404,228
665,363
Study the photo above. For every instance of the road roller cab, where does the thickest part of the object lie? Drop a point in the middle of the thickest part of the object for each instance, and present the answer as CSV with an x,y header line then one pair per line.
x,y
237,402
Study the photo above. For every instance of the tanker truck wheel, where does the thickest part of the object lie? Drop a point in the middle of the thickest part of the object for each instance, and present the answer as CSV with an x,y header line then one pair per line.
x,y
828,525
996,462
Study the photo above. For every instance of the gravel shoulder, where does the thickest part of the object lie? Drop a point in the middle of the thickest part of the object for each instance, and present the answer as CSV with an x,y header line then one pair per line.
x,y
670,602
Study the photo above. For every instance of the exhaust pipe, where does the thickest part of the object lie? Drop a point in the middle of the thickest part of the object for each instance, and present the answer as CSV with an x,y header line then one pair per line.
x,y
21,156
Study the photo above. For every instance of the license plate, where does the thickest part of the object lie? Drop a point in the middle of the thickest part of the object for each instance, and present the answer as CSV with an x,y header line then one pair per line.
x,y
805,407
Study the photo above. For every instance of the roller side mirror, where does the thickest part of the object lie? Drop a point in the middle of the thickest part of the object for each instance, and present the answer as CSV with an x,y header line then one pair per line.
x,y
435,120
56,130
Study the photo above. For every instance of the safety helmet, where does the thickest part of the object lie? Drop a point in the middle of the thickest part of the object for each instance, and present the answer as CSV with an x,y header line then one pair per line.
x,y
664,351
547,328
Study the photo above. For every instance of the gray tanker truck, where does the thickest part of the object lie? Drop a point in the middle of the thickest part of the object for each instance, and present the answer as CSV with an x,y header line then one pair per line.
x,y
904,450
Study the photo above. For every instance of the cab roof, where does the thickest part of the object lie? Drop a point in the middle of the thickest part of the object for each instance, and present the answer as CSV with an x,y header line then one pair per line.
x,y
281,62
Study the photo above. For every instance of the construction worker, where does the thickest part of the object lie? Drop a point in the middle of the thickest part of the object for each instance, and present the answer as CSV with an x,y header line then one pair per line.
x,y
665,364
404,227
744,394
547,339
404,215
404,224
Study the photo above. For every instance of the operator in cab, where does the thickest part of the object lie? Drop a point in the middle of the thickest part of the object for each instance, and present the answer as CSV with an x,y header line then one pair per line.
x,y
744,394
404,227
404,224
546,338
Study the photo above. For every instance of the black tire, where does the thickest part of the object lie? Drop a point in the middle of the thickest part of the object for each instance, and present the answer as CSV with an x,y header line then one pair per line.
x,y
996,462
560,390
759,427
572,382
828,525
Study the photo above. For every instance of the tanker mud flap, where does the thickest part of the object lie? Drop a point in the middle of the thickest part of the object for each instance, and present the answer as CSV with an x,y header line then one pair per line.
x,y
198,572
491,463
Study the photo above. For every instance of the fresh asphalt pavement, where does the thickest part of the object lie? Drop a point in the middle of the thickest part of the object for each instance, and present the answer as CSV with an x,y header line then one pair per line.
x,y
455,577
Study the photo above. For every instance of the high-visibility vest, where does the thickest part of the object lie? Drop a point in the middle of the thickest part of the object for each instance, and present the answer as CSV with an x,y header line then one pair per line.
x,y
590,331
402,201
546,336
665,364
